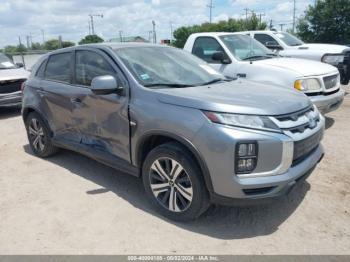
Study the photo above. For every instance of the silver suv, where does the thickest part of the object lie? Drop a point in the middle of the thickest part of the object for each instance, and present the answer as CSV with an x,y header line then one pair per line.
x,y
162,114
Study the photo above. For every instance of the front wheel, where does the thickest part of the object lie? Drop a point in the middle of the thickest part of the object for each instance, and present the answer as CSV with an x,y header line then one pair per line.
x,y
174,183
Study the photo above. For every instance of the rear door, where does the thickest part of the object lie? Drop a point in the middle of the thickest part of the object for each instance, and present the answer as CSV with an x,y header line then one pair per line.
x,y
101,120
55,91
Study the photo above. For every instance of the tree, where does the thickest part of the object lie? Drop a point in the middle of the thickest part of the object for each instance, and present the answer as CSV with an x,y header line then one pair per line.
x,y
328,21
37,46
231,25
11,49
54,44
91,39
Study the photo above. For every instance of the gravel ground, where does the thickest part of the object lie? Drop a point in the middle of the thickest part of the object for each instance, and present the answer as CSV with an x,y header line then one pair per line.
x,y
69,204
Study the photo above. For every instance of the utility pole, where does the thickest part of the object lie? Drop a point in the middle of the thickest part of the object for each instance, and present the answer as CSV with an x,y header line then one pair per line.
x,y
210,6
43,35
293,16
246,13
121,36
27,38
92,21
271,25
89,27
281,25
171,31
260,16
154,32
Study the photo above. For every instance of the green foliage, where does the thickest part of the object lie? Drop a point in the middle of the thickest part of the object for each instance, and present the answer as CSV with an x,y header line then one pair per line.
x,y
37,46
326,22
54,44
91,39
231,25
11,49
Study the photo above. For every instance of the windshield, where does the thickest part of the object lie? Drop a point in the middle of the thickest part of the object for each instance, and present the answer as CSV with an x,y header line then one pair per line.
x,y
243,47
5,62
289,39
166,67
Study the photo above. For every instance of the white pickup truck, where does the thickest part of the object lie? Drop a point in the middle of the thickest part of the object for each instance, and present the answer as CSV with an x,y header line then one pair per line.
x,y
290,46
239,55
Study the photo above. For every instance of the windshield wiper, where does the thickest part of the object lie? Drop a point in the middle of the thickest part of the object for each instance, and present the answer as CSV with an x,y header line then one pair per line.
x,y
215,81
256,57
168,85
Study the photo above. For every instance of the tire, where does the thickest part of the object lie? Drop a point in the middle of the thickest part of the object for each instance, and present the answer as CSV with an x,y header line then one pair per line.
x,y
174,183
39,136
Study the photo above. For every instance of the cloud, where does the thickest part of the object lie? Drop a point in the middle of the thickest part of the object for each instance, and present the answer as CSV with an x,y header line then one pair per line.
x,y
69,18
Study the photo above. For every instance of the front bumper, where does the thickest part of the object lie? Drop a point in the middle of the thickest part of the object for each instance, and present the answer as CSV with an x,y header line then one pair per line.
x,y
11,100
328,103
270,178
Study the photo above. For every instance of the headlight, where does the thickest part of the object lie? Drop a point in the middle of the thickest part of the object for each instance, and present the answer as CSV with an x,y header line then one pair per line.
x,y
307,85
333,59
246,121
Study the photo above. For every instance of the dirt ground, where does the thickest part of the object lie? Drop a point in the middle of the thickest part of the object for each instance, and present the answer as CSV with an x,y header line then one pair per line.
x,y
69,204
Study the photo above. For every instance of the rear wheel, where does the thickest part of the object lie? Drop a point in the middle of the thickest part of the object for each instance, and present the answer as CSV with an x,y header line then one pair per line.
x,y
174,183
39,136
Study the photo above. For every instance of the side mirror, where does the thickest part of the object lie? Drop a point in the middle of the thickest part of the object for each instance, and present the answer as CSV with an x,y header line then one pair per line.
x,y
221,57
273,45
20,65
104,85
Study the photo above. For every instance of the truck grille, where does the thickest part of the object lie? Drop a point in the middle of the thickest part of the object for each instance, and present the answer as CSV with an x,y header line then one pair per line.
x,y
330,81
303,147
10,86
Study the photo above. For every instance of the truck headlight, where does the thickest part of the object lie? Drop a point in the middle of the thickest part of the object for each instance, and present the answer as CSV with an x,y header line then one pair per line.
x,y
308,85
246,121
333,59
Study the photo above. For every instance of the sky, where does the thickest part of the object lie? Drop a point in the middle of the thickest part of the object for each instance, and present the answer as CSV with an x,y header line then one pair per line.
x,y
47,19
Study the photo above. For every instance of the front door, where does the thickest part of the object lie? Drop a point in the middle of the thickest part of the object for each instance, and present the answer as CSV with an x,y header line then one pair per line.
x,y
101,120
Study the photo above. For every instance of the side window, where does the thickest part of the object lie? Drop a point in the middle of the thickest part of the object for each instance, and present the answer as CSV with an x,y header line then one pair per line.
x,y
89,65
205,47
41,71
264,38
58,68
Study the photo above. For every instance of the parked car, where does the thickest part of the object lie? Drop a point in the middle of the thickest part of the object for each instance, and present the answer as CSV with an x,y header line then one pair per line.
x,y
238,55
11,78
291,46
162,114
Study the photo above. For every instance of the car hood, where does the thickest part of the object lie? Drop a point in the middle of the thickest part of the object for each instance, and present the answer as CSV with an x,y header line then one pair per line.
x,y
13,74
301,67
326,48
239,96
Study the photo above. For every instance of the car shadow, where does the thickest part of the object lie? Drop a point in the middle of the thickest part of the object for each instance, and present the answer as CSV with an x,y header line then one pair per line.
x,y
329,122
219,221
9,112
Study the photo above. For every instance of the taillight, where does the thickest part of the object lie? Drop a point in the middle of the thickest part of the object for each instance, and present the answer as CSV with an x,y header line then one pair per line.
x,y
23,85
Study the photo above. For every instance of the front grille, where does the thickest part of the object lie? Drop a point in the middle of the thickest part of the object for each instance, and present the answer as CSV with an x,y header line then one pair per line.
x,y
303,147
299,121
293,116
330,81
7,87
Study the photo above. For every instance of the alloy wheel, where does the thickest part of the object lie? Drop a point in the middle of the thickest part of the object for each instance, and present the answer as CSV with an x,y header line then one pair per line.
x,y
170,184
36,134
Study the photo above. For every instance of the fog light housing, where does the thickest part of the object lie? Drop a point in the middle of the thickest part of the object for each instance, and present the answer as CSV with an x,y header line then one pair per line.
x,y
246,157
